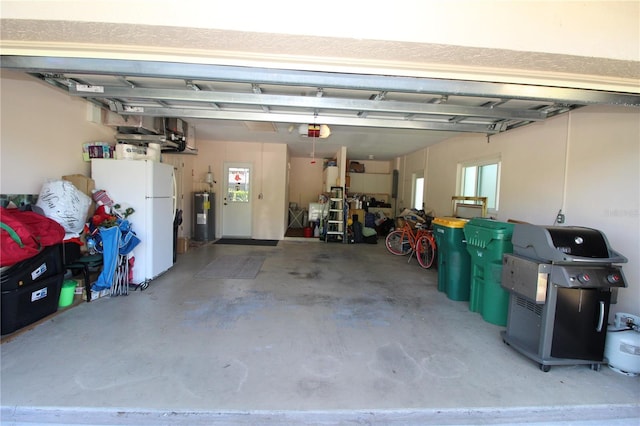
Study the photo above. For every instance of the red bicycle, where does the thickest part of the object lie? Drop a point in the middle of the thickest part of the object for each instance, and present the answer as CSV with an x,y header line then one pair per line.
x,y
409,241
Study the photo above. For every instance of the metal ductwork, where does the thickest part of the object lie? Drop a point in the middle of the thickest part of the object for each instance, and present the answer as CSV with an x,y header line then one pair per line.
x,y
169,133
133,124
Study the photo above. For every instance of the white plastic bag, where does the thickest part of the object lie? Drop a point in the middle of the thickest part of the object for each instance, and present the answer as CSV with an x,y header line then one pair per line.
x,y
61,201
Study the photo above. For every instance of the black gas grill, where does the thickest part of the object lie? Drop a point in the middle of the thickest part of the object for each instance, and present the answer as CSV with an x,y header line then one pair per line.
x,y
561,281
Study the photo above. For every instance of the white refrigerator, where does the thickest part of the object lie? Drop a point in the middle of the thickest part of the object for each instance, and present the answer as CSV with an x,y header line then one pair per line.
x,y
149,187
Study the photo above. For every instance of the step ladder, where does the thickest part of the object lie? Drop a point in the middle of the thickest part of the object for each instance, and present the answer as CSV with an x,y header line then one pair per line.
x,y
336,226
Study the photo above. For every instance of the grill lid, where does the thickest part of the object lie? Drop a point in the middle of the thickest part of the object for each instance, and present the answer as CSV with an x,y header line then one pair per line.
x,y
563,244
583,242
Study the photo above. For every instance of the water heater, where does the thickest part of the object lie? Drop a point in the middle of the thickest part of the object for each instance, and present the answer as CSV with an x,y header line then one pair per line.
x,y
204,218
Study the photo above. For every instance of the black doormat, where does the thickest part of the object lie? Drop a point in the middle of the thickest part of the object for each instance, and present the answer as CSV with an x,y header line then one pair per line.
x,y
247,242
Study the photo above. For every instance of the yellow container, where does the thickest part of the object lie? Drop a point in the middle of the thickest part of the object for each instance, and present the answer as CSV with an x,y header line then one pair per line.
x,y
450,222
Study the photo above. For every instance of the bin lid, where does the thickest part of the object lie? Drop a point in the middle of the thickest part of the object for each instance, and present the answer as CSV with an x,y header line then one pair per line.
x,y
450,222
496,228
481,233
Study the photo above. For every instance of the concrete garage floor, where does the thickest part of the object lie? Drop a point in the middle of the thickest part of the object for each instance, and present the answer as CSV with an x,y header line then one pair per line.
x,y
325,334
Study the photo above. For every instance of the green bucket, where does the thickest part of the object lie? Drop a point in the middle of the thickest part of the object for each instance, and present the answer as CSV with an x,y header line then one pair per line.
x,y
67,293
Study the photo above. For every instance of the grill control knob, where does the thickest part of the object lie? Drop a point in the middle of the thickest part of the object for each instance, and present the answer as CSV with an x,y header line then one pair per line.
x,y
613,278
584,278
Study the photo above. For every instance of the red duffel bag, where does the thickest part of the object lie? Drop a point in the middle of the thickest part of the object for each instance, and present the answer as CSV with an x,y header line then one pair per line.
x,y
23,234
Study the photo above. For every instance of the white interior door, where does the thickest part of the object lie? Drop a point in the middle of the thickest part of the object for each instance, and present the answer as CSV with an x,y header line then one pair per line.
x,y
236,200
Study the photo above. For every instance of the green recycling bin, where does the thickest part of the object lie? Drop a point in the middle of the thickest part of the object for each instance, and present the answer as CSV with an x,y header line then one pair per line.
x,y
487,240
453,258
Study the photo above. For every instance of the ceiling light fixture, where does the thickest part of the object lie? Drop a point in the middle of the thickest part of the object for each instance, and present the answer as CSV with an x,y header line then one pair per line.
x,y
321,131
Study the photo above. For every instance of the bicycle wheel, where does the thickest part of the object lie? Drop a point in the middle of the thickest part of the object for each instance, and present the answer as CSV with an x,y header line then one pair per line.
x,y
425,251
397,243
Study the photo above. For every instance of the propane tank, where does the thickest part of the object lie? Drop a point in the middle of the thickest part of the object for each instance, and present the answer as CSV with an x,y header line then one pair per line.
x,y
622,345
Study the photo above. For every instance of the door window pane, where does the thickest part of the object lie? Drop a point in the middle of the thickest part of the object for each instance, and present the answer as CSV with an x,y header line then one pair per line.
x,y
238,185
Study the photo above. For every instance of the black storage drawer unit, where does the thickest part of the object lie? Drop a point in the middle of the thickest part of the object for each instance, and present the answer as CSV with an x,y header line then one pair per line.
x,y
30,302
45,264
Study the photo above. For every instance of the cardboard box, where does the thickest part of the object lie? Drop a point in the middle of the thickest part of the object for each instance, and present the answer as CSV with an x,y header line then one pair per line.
x,y
95,295
83,183
182,245
79,287
86,185
355,167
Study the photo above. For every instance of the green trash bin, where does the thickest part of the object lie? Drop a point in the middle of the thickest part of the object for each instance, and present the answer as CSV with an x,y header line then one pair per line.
x,y
453,258
487,240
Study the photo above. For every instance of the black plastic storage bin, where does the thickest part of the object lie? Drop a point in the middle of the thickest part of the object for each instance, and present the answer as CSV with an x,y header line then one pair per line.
x,y
29,303
45,264
30,290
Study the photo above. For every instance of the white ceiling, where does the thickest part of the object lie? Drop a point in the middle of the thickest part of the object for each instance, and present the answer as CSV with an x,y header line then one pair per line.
x,y
593,47
361,142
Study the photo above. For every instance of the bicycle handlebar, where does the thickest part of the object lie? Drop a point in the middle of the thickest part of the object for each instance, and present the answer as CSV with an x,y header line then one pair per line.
x,y
418,226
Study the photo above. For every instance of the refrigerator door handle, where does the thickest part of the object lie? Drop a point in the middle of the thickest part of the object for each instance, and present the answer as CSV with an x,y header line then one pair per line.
x,y
174,196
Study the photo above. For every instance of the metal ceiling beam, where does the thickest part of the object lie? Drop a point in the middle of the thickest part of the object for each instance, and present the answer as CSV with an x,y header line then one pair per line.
x,y
320,103
258,91
304,119
380,96
207,72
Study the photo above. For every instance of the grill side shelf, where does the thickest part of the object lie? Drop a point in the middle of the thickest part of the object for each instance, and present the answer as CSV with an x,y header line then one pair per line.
x,y
525,277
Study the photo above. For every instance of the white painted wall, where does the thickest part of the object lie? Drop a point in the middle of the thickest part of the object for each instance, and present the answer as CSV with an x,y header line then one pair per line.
x,y
373,166
270,176
415,163
42,133
586,162
305,182
271,212
532,174
603,185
